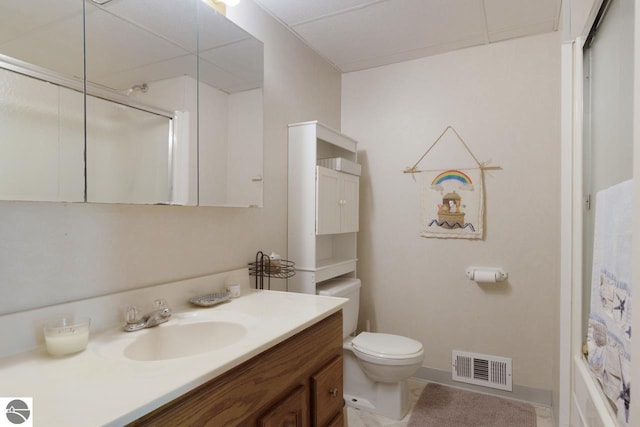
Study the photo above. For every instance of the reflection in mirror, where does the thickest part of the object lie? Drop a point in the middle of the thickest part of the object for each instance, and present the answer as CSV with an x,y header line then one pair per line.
x,y
141,146
41,100
171,103
127,154
230,64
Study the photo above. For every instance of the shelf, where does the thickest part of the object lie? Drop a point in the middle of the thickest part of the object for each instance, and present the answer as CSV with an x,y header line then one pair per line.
x,y
324,264
322,206
331,267
332,136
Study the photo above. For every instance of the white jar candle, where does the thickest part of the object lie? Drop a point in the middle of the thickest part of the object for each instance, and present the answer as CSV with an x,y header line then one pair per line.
x,y
66,335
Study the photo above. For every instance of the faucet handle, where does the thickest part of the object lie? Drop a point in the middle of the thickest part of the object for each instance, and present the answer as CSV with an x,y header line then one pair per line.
x,y
132,314
161,304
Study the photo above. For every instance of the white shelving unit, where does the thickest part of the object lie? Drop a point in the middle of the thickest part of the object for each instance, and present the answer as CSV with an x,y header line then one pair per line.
x,y
322,207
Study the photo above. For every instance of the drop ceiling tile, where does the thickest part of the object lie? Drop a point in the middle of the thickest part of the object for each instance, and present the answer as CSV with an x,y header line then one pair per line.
x,y
522,31
57,47
170,68
221,79
521,17
243,59
297,11
21,17
115,45
162,17
216,30
390,28
408,56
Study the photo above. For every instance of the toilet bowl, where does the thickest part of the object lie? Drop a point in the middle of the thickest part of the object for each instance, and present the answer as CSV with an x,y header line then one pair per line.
x,y
376,365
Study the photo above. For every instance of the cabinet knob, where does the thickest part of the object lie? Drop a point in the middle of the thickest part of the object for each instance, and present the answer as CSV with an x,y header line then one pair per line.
x,y
333,392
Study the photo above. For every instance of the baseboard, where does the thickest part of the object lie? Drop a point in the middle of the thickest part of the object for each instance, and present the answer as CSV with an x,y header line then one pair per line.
x,y
528,394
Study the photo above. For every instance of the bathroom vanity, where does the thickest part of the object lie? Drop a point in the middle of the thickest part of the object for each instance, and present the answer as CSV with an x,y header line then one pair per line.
x,y
270,388
274,358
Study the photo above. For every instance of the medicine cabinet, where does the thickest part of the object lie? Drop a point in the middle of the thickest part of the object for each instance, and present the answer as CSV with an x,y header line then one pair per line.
x,y
129,101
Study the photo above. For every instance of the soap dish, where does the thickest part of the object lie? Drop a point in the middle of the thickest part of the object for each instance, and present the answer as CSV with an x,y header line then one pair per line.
x,y
210,299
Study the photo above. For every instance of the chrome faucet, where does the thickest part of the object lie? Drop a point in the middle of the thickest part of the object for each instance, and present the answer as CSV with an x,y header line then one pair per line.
x,y
160,314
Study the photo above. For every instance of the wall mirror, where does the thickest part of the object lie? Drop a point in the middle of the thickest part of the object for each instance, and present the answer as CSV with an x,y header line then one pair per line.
x,y
170,111
41,100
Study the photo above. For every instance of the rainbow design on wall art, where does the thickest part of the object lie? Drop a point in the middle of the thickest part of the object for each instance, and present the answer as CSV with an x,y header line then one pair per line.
x,y
451,174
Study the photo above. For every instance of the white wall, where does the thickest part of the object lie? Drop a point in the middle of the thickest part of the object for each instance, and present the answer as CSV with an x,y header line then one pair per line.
x,y
504,100
55,252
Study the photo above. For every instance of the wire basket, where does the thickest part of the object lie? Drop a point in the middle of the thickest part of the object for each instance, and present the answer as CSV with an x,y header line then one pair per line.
x,y
264,266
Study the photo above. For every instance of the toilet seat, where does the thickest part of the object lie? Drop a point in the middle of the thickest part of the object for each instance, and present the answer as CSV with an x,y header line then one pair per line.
x,y
387,348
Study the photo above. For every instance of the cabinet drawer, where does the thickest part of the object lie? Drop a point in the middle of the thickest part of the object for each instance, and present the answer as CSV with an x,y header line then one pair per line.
x,y
326,393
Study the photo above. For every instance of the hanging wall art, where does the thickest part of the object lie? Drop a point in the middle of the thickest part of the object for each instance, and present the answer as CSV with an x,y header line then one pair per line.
x,y
452,200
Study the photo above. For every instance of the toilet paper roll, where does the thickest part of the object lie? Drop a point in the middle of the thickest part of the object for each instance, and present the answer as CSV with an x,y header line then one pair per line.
x,y
484,276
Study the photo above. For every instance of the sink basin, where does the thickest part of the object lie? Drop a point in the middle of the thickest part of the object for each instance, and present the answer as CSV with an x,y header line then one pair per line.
x,y
182,340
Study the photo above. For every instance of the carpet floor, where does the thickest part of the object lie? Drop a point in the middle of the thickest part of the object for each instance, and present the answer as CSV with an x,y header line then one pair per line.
x,y
442,406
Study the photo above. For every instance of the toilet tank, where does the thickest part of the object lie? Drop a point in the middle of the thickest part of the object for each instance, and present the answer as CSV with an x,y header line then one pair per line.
x,y
345,287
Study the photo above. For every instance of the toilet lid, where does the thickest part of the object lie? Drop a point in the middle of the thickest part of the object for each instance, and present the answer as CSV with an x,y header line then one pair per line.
x,y
386,345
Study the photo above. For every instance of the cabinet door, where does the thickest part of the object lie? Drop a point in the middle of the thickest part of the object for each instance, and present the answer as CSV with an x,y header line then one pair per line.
x,y
338,421
326,393
327,201
337,196
290,412
349,196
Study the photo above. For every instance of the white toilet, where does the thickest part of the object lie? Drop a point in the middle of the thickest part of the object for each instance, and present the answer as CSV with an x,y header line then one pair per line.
x,y
376,366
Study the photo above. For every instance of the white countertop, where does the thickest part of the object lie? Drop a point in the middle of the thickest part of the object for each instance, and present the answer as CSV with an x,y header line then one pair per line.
x,y
100,386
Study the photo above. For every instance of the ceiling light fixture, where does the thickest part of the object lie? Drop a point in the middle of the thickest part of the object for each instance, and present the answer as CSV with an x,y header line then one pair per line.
x,y
229,3
221,5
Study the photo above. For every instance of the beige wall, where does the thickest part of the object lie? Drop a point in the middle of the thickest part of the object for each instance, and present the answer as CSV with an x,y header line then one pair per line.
x,y
55,252
504,100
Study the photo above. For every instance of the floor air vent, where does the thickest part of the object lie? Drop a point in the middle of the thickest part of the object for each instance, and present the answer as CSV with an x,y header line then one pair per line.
x,y
481,369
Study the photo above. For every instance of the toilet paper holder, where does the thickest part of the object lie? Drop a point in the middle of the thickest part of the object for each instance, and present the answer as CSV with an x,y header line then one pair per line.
x,y
486,274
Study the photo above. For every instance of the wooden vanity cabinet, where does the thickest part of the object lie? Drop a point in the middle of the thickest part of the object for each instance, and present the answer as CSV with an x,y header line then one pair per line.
x,y
291,412
326,393
297,383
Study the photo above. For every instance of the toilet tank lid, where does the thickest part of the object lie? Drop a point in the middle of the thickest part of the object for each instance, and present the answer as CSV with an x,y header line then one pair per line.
x,y
338,287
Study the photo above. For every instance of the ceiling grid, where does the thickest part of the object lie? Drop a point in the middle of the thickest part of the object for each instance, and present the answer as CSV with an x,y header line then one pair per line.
x,y
360,34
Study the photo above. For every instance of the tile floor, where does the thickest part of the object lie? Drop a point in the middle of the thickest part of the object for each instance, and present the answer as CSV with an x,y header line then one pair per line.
x,y
359,418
